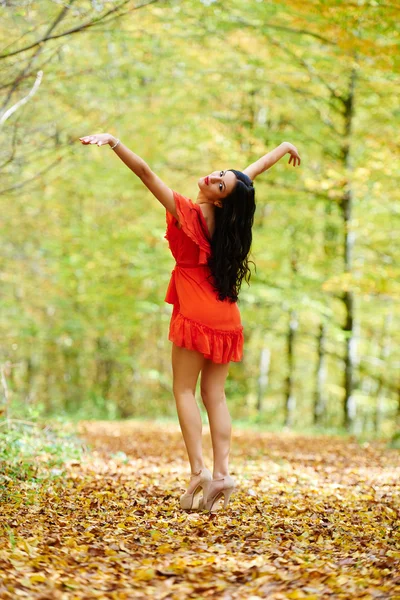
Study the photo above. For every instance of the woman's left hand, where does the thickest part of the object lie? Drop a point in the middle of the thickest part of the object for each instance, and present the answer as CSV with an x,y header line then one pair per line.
x,y
294,155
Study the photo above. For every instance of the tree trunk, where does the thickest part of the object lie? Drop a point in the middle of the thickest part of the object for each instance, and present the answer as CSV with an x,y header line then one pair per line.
x,y
398,409
319,398
104,366
349,407
265,358
290,400
384,354
29,377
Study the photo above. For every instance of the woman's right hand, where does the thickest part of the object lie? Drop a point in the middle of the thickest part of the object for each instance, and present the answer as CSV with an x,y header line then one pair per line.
x,y
101,139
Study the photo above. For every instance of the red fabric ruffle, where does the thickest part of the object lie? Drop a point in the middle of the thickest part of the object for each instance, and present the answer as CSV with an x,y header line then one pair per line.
x,y
192,222
218,345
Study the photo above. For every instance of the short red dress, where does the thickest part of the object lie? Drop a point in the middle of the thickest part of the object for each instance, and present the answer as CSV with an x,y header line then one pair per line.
x,y
199,321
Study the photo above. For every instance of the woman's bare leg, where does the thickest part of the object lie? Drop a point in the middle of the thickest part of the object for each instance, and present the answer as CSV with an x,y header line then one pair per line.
x,y
186,366
213,377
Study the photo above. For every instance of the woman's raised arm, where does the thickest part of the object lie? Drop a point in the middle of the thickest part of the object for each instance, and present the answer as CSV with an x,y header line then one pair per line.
x,y
156,186
267,161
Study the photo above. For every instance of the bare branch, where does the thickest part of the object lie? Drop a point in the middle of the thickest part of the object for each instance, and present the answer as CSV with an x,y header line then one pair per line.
x,y
278,185
57,20
78,28
310,69
22,35
10,111
27,74
284,28
307,136
23,183
60,16
13,148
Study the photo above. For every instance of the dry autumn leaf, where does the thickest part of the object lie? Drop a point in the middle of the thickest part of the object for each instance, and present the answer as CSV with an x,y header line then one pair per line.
x,y
322,522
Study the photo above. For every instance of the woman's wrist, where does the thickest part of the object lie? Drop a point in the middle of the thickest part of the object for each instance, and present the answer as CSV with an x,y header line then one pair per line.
x,y
112,141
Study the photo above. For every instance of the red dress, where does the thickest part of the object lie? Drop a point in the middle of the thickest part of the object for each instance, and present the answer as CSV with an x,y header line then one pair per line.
x,y
199,321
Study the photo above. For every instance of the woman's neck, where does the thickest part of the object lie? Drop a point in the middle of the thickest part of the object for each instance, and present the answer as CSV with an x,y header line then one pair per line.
x,y
201,199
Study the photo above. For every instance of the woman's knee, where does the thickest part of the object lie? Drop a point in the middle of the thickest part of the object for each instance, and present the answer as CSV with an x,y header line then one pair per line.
x,y
212,395
180,391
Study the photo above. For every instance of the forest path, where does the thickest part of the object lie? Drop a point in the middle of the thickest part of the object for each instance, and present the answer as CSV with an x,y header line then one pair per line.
x,y
313,517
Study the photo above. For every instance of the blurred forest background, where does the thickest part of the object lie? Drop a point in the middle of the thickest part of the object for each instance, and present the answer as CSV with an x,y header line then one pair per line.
x,y
194,86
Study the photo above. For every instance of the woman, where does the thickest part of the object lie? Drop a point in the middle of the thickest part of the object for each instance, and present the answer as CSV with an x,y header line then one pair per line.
x,y
210,241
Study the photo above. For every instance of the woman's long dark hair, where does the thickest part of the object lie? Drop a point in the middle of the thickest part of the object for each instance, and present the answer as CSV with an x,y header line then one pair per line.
x,y
231,240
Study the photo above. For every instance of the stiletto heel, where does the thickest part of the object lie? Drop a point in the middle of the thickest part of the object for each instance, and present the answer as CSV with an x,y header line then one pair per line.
x,y
210,499
227,494
206,489
193,500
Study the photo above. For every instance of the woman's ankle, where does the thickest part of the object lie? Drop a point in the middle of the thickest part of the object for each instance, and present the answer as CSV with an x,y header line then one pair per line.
x,y
199,468
220,474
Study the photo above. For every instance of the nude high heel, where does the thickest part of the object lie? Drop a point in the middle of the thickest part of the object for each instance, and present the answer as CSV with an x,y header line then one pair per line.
x,y
210,498
192,501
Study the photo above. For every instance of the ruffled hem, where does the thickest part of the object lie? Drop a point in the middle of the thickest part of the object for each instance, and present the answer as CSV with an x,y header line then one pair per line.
x,y
218,345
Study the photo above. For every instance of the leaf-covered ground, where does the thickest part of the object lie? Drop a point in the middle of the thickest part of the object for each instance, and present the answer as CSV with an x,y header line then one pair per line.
x,y
312,518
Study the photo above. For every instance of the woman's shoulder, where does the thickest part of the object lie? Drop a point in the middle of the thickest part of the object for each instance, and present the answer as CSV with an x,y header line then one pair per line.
x,y
192,220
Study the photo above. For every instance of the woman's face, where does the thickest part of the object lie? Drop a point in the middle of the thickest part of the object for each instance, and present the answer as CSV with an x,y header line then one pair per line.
x,y
217,185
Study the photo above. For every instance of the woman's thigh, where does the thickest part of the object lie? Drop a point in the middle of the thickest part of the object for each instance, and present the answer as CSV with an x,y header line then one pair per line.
x,y
212,382
186,366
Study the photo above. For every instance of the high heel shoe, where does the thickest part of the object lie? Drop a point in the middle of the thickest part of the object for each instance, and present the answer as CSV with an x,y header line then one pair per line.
x,y
210,497
192,501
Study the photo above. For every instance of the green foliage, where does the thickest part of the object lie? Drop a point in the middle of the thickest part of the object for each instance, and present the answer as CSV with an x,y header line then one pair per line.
x,y
192,87
395,441
34,453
